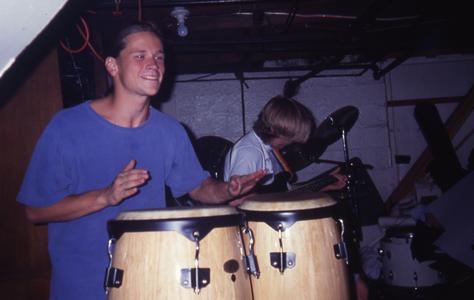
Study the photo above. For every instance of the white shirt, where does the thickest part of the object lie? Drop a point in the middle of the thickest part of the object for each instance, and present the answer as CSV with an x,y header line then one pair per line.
x,y
250,154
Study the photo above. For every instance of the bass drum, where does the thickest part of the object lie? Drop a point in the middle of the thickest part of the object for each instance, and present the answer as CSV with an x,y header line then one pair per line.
x,y
400,268
157,253
290,246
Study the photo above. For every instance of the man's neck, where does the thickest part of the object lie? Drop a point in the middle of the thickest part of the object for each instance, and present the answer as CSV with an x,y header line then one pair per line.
x,y
129,113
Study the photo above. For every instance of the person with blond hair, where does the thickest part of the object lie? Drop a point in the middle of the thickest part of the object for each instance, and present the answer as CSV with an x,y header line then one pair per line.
x,y
281,122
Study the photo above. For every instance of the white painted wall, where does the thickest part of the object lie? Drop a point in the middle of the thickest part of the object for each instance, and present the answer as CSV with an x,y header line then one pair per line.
x,y
21,21
214,108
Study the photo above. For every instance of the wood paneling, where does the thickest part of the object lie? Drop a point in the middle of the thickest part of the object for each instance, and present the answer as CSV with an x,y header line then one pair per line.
x,y
25,267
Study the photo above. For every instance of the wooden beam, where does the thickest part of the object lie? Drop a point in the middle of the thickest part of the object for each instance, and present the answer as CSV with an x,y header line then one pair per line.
x,y
418,169
395,103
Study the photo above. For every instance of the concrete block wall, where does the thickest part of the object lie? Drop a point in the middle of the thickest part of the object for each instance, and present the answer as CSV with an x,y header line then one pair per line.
x,y
214,107
447,76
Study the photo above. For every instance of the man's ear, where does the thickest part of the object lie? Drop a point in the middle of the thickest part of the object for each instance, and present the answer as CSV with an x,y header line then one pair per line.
x,y
111,66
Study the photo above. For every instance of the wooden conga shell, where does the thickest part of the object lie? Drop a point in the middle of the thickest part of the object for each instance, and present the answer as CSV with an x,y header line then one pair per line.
x,y
152,261
317,273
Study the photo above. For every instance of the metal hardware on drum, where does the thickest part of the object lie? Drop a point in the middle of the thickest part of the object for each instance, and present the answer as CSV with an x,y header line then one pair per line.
x,y
282,260
190,278
340,249
196,277
113,277
252,265
251,260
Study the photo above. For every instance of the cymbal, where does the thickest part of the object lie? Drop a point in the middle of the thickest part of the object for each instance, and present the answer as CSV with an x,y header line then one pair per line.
x,y
330,130
211,152
299,156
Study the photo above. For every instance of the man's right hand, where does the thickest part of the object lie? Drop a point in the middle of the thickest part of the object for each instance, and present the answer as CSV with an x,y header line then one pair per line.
x,y
126,184
73,207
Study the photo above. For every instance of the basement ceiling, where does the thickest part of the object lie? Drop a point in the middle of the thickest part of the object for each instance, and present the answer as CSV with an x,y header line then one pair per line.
x,y
246,36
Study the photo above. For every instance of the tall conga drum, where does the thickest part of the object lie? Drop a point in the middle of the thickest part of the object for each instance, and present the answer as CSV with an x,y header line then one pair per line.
x,y
292,244
188,253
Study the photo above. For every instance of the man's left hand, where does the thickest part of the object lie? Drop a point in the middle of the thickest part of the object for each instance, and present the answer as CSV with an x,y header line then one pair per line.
x,y
339,184
240,185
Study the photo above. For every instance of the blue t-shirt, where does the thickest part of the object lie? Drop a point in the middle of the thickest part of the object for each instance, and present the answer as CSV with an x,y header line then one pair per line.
x,y
79,151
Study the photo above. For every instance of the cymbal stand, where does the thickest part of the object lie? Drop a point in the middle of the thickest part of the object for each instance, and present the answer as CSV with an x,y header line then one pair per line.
x,y
356,231
351,210
344,145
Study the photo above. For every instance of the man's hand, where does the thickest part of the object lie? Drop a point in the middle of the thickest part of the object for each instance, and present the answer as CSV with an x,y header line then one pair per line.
x,y
126,184
362,290
240,185
339,184
245,184
73,207
212,191
239,200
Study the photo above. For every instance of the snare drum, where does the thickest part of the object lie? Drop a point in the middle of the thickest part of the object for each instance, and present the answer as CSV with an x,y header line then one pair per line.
x,y
400,268
290,246
157,254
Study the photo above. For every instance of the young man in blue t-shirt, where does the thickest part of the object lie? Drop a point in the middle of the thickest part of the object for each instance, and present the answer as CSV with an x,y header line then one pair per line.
x,y
109,155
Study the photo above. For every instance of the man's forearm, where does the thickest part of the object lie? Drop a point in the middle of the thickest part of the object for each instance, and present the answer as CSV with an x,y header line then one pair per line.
x,y
69,208
211,191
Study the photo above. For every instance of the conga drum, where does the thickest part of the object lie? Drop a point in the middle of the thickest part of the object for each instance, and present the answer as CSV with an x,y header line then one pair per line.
x,y
291,247
188,253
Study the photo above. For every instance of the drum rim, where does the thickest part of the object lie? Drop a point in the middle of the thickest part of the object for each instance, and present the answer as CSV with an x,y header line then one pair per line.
x,y
270,202
284,219
219,210
185,226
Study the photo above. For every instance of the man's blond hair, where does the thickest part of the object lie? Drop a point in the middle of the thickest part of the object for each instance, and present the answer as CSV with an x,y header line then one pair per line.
x,y
284,117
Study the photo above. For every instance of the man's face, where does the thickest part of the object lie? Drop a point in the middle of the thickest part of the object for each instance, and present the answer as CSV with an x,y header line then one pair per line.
x,y
280,142
141,65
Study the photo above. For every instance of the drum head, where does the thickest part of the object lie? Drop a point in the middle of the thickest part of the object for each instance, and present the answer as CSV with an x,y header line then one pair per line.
x,y
178,213
289,201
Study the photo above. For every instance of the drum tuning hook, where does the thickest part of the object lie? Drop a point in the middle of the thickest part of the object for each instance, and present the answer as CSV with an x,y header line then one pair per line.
x,y
340,249
113,276
196,277
280,241
251,259
282,260
196,262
